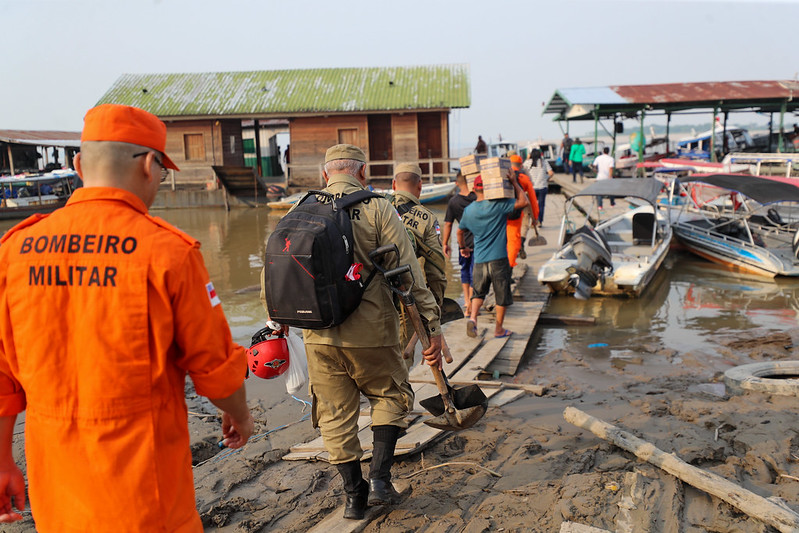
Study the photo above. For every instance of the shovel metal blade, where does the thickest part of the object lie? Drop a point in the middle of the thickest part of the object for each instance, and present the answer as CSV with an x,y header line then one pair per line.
x,y
470,405
460,419
538,240
462,398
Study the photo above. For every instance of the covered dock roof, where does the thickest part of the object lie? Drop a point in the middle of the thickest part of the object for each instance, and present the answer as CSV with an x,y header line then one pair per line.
x,y
286,93
590,103
41,138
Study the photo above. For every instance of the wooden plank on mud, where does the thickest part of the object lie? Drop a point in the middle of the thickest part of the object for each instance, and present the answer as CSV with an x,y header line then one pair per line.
x,y
505,396
335,521
460,345
480,361
521,318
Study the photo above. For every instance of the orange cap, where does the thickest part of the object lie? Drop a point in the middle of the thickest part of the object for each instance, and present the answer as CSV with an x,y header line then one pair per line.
x,y
515,159
121,123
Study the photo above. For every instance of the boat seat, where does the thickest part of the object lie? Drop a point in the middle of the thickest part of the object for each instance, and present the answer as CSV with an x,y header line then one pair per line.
x,y
643,226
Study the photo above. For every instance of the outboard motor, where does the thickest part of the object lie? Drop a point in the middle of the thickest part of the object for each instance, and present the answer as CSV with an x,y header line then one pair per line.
x,y
593,258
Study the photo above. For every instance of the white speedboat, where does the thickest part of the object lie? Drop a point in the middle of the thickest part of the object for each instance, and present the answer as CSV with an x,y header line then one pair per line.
x,y
746,223
431,192
615,251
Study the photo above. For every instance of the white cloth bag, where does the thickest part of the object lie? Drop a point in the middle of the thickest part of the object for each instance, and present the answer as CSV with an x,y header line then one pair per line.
x,y
297,374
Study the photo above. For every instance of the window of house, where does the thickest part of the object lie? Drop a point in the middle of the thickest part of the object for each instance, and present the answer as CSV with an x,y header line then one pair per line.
x,y
348,136
194,146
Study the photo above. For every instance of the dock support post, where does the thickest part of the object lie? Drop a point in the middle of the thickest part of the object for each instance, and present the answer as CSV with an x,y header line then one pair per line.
x,y
780,144
725,143
770,130
668,123
641,143
613,150
713,135
596,131
10,159
258,165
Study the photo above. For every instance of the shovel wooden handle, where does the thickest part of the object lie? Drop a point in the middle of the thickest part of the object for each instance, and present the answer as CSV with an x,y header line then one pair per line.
x,y
441,383
411,348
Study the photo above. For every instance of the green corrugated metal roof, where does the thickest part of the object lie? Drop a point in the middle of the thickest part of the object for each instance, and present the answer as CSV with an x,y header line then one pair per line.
x,y
294,91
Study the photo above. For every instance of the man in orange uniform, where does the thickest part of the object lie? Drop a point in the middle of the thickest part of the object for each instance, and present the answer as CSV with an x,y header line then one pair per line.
x,y
103,311
514,228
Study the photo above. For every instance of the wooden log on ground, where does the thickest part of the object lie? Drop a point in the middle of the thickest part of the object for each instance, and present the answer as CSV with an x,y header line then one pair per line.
x,y
538,390
783,519
335,521
558,320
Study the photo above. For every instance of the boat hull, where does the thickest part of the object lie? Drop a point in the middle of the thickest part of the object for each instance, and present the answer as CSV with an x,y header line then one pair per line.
x,y
638,240
733,253
14,213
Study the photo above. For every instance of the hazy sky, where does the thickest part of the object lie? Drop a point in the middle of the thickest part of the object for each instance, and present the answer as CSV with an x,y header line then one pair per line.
x,y
60,56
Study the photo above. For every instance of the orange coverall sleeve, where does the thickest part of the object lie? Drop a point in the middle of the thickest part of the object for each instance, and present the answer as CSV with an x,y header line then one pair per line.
x,y
12,396
216,364
527,185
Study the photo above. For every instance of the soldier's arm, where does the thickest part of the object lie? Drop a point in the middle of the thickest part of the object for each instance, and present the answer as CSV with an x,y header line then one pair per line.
x,y
445,238
435,265
391,230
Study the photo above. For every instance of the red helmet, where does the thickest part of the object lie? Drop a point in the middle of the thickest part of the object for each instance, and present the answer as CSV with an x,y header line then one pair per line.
x,y
268,355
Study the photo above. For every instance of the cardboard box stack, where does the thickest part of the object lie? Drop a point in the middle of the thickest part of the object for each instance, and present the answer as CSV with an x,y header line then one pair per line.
x,y
470,167
493,171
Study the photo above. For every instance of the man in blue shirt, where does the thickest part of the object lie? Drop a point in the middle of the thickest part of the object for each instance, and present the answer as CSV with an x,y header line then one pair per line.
x,y
487,220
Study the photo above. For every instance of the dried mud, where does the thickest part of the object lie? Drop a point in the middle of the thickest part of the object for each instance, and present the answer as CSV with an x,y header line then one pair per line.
x,y
551,471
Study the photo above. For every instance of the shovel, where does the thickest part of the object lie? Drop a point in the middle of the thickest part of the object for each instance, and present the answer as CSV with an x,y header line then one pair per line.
x,y
453,409
538,240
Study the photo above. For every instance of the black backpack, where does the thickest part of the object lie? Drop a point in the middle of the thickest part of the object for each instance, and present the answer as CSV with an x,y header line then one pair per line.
x,y
308,262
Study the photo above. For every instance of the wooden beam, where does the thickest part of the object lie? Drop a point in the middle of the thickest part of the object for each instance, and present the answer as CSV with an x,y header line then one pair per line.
x,y
750,503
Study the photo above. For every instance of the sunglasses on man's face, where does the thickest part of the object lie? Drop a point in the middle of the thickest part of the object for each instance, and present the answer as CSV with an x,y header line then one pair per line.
x,y
164,170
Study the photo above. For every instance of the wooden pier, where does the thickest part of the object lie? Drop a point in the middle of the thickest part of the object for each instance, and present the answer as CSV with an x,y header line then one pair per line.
x,y
483,358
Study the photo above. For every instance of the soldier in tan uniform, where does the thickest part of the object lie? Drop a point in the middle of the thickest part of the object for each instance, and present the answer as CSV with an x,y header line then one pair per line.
x,y
363,354
426,232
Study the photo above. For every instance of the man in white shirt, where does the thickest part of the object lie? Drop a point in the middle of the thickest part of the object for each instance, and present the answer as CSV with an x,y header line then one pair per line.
x,y
604,165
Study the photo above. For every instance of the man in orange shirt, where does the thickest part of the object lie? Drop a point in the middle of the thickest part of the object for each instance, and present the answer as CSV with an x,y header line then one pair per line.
x,y
103,311
514,228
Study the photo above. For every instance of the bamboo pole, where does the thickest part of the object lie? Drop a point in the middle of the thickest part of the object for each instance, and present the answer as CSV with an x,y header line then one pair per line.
x,y
750,503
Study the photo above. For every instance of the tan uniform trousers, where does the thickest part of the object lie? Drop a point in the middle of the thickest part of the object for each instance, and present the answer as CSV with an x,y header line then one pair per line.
x,y
338,375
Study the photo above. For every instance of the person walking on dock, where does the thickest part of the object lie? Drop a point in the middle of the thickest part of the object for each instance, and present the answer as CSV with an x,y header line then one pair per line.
x,y
604,165
518,216
454,213
124,310
565,152
576,158
540,172
481,147
426,232
363,353
487,220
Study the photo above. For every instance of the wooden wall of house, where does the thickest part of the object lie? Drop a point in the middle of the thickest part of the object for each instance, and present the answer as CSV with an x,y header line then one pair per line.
x,y
312,136
190,144
406,137
196,145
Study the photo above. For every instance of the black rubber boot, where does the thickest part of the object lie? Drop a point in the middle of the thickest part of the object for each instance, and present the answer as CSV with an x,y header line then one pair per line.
x,y
356,488
381,491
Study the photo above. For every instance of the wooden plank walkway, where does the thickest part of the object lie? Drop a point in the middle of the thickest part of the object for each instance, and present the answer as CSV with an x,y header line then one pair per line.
x,y
473,357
